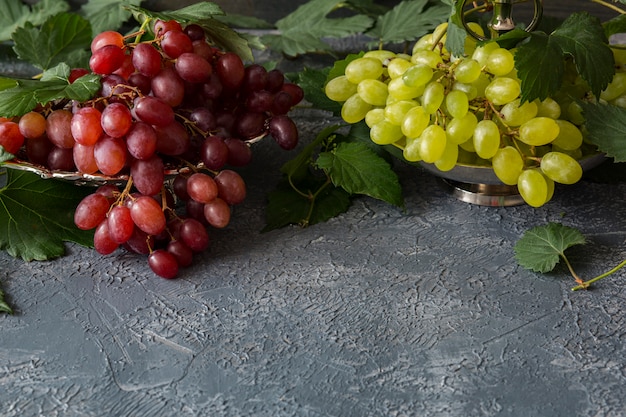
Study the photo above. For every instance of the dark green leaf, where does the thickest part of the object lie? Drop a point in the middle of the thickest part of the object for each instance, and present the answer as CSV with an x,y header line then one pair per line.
x,y
606,128
302,31
456,33
244,22
408,21
615,25
582,36
4,306
49,46
358,170
540,247
39,216
16,13
540,66
28,94
312,81
286,206
107,14
297,167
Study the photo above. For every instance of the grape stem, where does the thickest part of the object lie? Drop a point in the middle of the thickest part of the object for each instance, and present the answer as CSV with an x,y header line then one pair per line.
x,y
585,284
610,6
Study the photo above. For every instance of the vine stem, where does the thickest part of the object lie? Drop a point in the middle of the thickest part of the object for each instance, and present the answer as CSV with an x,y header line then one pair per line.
x,y
585,284
609,5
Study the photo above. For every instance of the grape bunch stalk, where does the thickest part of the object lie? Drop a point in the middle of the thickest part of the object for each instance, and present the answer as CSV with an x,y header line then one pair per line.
x,y
448,110
175,116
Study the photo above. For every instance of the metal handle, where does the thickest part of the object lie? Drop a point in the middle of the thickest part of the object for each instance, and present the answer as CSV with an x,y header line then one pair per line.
x,y
502,20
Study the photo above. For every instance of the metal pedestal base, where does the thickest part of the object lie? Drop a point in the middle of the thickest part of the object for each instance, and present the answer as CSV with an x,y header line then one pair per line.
x,y
492,195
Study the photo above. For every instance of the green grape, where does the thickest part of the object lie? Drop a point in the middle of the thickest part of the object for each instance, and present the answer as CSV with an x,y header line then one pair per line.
x,y
469,90
481,53
570,137
486,138
619,101
507,164
533,187
380,54
515,114
539,131
400,91
417,75
385,133
549,108
575,113
467,71
425,43
481,84
468,146
429,58
415,121
502,90
339,89
397,67
432,143
561,168
354,109
362,69
397,111
433,96
500,62
577,153
461,129
374,116
457,103
470,41
373,92
616,87
449,157
411,151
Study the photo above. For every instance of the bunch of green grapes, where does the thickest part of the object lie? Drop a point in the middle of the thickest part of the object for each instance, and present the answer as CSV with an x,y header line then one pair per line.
x,y
448,110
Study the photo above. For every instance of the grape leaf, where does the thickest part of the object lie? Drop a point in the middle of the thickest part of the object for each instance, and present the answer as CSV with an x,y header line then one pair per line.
x,y
28,94
4,306
539,60
62,38
615,25
286,206
408,21
312,82
16,13
39,216
359,170
107,14
540,247
606,128
302,31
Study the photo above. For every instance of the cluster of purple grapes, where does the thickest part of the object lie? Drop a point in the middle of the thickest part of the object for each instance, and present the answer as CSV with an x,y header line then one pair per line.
x,y
173,103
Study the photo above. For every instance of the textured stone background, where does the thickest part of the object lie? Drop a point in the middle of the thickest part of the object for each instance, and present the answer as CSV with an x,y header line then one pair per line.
x,y
378,312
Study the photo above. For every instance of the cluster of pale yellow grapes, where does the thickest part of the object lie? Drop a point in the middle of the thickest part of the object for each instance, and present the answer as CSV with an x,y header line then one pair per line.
x,y
447,110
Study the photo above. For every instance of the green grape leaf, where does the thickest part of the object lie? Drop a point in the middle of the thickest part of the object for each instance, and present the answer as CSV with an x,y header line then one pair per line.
x,y
408,21
540,66
456,33
107,14
312,82
4,306
582,36
24,97
286,206
16,13
298,168
359,170
541,247
606,128
615,25
39,216
204,14
539,60
302,31
62,38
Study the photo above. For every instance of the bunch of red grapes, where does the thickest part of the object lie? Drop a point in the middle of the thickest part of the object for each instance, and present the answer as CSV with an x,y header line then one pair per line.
x,y
175,115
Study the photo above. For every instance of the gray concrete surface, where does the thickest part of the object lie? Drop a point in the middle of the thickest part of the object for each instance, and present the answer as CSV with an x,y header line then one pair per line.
x,y
377,312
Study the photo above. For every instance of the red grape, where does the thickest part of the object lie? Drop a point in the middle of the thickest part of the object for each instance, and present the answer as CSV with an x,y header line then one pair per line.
x,y
163,263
